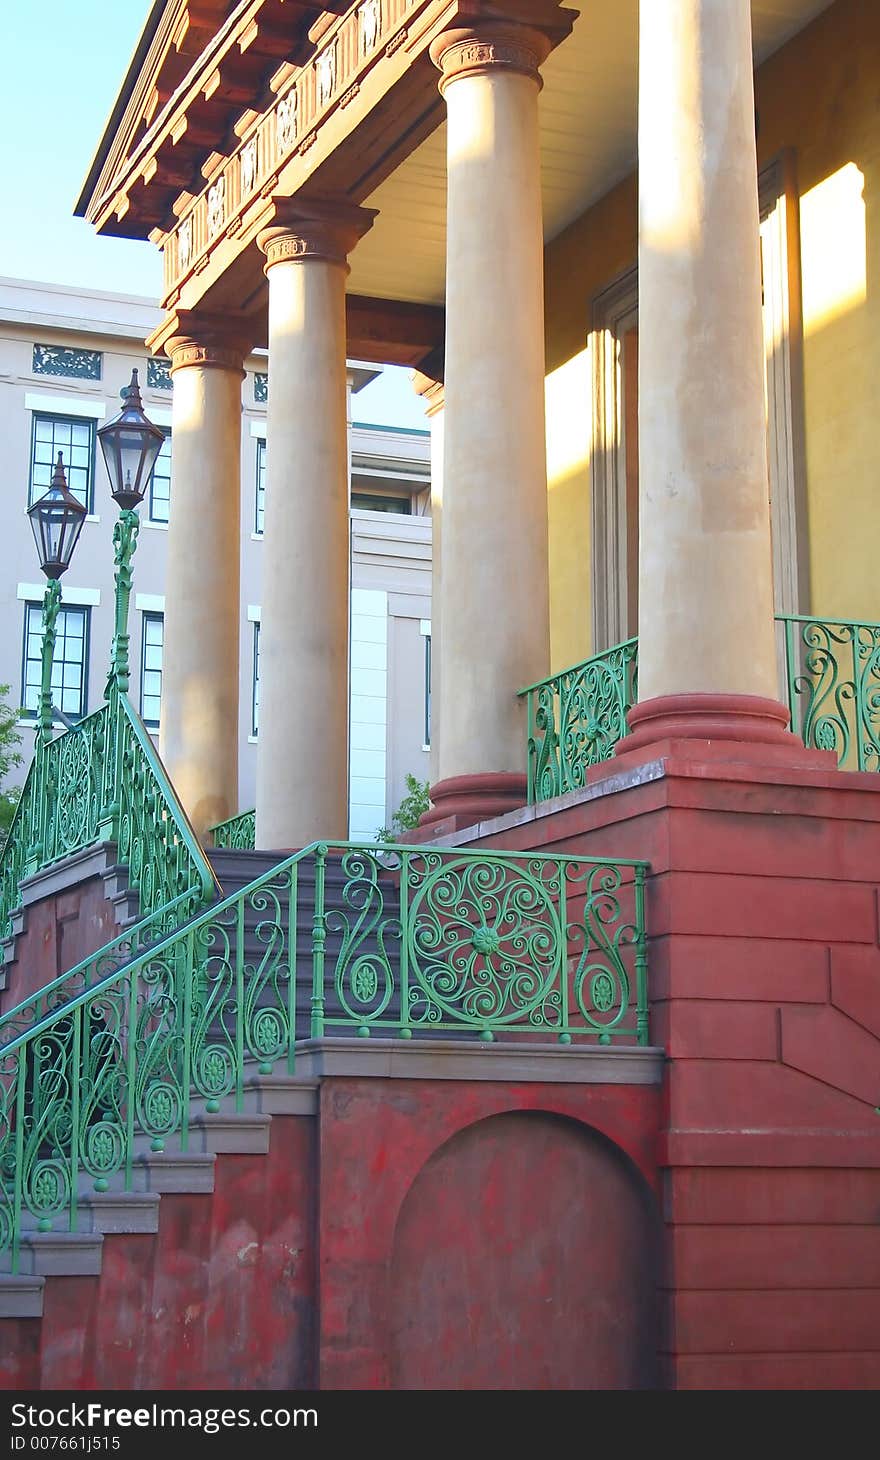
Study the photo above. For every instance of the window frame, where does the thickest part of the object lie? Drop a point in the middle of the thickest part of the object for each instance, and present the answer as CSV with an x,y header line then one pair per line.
x,y
166,430
55,416
255,682
427,707
260,487
373,497
151,615
66,608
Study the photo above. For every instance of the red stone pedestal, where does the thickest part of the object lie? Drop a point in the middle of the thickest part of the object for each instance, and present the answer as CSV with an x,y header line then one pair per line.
x,y
764,977
463,801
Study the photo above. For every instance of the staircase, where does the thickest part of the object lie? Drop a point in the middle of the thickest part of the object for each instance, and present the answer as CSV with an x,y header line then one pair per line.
x,y
154,1123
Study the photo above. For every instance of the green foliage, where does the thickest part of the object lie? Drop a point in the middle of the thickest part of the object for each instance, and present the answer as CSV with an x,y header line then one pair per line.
x,y
410,811
10,757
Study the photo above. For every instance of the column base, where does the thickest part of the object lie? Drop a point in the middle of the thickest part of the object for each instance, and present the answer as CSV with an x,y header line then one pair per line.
x,y
462,801
728,727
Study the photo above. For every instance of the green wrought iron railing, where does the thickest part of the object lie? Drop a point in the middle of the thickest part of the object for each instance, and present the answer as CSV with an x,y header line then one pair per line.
x,y
832,669
832,687
575,719
237,834
25,1015
103,781
395,941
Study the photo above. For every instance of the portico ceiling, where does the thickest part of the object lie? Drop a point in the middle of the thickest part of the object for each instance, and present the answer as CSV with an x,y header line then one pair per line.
x,y
588,111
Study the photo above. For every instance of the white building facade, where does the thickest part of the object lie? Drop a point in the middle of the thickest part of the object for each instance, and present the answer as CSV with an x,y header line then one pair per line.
x,y
65,355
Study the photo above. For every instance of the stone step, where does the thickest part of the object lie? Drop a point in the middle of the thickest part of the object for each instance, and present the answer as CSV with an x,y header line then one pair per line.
x,y
244,1133
279,1094
173,1171
58,1254
115,1210
21,1295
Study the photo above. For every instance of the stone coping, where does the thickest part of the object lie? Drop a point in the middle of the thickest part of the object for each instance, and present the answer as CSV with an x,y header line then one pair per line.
x,y
453,1059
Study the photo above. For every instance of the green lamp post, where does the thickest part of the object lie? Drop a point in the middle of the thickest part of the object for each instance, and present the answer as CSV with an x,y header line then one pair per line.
x,y
130,443
56,521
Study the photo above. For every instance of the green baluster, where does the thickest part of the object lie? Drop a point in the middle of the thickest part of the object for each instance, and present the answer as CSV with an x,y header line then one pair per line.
x,y
292,959
21,1078
319,938
240,1007
76,1055
641,959
131,1074
564,1016
405,1023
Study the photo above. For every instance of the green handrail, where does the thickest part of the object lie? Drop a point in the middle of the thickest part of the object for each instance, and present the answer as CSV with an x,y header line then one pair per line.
x,y
237,833
14,857
405,941
102,780
171,830
832,688
97,966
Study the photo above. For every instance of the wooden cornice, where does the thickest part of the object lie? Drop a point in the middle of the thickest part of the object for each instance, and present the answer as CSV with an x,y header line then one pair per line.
x,y
206,62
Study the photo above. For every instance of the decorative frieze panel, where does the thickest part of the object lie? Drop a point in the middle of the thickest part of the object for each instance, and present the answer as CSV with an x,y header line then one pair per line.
x,y
358,40
261,388
64,360
248,167
325,74
285,122
216,206
370,25
158,374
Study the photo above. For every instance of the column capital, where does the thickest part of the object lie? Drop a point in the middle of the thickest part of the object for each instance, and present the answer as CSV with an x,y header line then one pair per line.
x,y
483,44
190,337
313,228
433,392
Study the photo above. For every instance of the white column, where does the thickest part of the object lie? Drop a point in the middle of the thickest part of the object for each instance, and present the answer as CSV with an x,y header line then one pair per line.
x,y
198,736
302,756
705,584
494,601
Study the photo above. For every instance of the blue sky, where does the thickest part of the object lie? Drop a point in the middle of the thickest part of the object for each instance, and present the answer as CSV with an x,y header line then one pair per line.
x,y
61,64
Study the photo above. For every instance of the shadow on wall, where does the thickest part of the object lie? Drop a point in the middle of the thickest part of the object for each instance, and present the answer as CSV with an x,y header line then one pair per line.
x,y
526,1256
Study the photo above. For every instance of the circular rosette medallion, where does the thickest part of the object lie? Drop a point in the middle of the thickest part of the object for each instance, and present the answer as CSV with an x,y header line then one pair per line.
x,y
484,943
160,1108
103,1149
46,1188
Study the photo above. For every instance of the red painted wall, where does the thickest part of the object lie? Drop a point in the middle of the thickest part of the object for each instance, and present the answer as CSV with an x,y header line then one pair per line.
x,y
764,976
387,1147
61,930
556,1238
526,1256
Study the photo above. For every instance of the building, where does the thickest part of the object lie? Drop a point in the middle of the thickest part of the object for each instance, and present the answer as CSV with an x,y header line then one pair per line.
x,y
578,1087
65,355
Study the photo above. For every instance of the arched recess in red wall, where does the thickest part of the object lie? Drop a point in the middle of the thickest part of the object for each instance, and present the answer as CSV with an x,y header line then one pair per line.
x,y
526,1256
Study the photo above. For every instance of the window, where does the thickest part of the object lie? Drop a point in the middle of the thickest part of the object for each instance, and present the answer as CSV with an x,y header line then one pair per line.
x,y
160,483
152,645
255,695
427,689
75,438
373,502
70,666
261,486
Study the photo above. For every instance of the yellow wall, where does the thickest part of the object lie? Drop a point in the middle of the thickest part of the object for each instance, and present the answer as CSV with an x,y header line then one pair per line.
x,y
819,95
577,264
